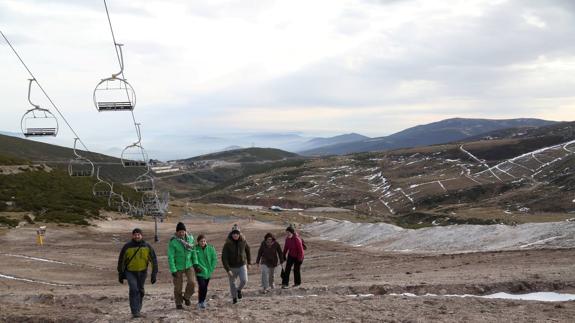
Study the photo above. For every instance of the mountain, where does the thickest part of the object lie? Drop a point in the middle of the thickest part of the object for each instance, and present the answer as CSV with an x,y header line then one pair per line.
x,y
429,134
244,155
341,139
520,177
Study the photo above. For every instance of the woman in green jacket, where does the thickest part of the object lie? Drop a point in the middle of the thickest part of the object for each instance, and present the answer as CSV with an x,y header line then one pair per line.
x,y
181,258
207,260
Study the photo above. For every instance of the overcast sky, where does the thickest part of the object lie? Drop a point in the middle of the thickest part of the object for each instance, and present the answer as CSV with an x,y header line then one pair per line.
x,y
220,68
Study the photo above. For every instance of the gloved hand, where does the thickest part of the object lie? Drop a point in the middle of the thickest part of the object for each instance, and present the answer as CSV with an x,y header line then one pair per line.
x,y
153,279
174,275
197,269
120,278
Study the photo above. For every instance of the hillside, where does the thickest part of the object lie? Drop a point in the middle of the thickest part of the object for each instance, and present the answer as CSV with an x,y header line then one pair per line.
x,y
203,174
244,155
59,157
429,134
505,180
50,195
341,139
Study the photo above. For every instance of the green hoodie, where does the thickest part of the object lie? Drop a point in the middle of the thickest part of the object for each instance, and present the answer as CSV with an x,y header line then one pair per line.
x,y
207,260
178,257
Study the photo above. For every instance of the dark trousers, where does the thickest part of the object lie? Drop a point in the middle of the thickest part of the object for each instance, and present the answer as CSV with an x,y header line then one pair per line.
x,y
202,288
291,261
136,280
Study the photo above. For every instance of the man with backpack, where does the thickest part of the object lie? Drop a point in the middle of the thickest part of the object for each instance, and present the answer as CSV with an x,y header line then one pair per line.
x,y
133,266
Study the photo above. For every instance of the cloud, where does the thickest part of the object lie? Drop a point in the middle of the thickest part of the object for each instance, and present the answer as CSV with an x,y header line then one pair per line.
x,y
329,66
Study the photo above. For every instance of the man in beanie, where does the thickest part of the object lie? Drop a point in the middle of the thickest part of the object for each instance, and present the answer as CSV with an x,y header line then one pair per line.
x,y
133,266
181,258
236,258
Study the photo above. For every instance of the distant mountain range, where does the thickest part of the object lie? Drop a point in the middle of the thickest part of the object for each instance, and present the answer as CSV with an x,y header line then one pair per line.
x,y
444,131
244,155
323,142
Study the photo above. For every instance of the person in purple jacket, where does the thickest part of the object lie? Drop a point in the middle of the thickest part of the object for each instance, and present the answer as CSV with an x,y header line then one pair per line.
x,y
293,250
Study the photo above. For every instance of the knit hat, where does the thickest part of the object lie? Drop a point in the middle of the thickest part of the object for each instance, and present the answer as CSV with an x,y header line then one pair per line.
x,y
236,228
137,230
180,227
291,229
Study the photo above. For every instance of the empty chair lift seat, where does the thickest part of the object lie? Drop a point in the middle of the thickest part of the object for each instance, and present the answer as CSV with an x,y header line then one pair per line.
x,y
40,132
115,106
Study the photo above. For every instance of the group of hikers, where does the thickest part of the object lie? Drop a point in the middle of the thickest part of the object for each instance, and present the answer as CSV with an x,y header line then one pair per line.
x,y
196,260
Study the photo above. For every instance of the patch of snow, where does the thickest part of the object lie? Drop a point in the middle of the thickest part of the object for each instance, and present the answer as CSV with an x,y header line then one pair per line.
x,y
538,296
33,281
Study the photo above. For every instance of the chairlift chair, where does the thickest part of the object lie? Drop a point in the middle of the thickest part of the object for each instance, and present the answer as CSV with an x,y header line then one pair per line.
x,y
38,122
80,166
144,183
115,200
134,155
115,93
101,188
150,198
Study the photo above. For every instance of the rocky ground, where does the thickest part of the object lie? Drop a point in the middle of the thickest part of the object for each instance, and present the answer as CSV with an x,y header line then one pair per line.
x,y
73,278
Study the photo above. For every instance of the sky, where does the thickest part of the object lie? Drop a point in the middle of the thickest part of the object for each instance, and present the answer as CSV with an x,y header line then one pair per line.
x,y
209,74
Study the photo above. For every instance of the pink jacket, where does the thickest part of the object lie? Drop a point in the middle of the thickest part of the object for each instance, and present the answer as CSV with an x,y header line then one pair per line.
x,y
293,247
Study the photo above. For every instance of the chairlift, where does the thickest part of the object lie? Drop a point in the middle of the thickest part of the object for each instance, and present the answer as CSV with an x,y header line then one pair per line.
x,y
38,122
150,198
115,200
115,93
80,166
101,188
134,155
144,183
125,207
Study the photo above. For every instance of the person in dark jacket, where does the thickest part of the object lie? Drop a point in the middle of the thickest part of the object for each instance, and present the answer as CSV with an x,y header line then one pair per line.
x,y
293,249
133,266
269,256
236,258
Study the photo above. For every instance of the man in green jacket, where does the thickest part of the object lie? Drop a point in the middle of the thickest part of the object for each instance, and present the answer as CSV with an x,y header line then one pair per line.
x,y
236,258
182,257
133,266
207,261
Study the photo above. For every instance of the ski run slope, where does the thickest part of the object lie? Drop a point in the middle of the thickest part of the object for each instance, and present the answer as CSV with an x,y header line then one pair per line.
x,y
447,239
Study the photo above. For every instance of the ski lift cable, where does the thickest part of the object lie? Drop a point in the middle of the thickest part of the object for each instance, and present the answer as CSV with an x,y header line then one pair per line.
x,y
43,91
120,58
119,55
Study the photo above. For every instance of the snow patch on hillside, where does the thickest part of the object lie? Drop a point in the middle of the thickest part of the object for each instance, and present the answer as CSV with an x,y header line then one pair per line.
x,y
459,238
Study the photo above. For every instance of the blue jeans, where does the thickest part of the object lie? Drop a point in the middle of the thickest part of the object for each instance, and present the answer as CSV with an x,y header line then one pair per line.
x,y
136,280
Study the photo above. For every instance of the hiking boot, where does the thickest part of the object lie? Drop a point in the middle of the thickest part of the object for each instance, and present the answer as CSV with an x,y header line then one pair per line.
x,y
179,307
203,305
199,306
187,302
240,294
136,315
235,301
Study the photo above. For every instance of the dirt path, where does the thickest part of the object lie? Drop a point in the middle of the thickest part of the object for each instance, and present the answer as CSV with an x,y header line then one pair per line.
x,y
73,278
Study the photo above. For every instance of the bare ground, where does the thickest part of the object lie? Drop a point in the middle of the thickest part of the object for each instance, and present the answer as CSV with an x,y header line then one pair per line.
x,y
80,283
